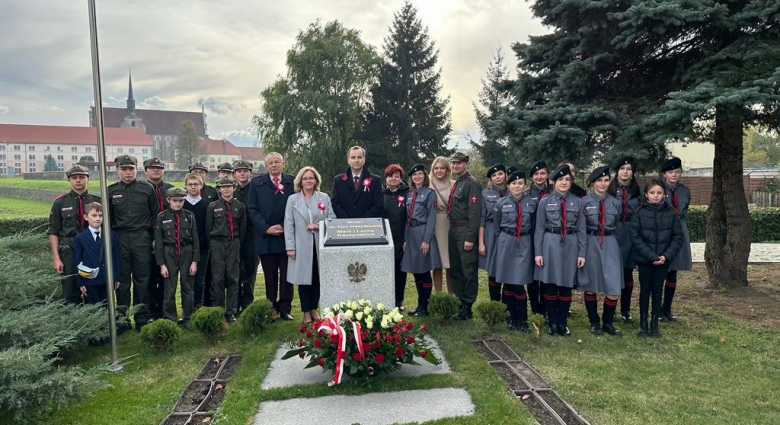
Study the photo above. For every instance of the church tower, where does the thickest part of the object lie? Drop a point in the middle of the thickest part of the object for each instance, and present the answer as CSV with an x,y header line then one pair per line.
x,y
131,119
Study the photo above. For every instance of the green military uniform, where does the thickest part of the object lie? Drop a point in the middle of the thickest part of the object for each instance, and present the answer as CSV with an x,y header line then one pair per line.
x,y
464,212
66,220
226,227
176,246
249,260
133,210
156,281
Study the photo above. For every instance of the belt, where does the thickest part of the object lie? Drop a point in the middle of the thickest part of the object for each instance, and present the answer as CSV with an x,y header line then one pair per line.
x,y
415,223
459,223
513,233
558,230
488,220
132,231
598,233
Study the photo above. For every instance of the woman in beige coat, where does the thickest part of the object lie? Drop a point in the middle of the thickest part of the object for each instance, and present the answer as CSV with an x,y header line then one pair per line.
x,y
305,210
442,185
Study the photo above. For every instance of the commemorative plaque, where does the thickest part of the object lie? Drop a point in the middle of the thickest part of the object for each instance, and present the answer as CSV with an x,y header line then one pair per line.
x,y
355,231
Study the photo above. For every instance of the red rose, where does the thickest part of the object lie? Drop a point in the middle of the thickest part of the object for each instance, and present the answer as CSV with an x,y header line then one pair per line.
x,y
423,327
317,343
301,343
377,344
396,339
410,340
302,329
399,352
356,356
409,325
321,362
308,334
423,353
379,358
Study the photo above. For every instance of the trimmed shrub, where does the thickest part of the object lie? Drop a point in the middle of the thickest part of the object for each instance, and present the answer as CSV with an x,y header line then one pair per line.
x,y
764,221
442,306
161,334
209,321
492,312
256,316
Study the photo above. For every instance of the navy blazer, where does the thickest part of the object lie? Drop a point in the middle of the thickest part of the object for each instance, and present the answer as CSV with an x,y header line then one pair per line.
x,y
88,251
266,206
368,201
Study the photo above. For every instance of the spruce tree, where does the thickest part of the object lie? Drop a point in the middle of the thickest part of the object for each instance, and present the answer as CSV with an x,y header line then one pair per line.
x,y
409,122
491,99
627,77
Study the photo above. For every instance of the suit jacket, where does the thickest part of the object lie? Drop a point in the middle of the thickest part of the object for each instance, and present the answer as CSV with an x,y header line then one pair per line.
x,y
296,237
266,205
367,201
89,251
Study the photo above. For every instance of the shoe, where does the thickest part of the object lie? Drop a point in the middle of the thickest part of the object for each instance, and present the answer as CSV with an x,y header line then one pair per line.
x,y
667,316
523,327
419,312
286,316
609,329
186,324
654,331
563,330
642,332
180,321
552,330
627,319
231,318
595,329
465,313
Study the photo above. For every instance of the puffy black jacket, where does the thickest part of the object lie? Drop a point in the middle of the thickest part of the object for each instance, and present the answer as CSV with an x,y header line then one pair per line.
x,y
395,211
655,231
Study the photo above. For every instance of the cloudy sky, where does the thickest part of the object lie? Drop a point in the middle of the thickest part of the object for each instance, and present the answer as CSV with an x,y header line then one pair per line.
x,y
220,55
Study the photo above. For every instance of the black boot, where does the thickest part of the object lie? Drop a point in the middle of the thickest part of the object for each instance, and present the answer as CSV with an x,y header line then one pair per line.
x,y
642,332
666,307
608,317
608,328
654,331
465,313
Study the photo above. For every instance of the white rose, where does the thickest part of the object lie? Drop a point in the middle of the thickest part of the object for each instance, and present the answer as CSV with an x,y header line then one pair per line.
x,y
354,305
336,307
380,306
397,317
359,315
349,314
367,311
362,302
327,311
369,325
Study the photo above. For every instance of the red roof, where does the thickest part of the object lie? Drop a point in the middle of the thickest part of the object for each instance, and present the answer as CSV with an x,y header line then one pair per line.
x,y
155,121
63,135
219,147
251,153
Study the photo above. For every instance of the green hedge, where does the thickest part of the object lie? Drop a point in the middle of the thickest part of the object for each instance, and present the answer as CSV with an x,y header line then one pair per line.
x,y
765,223
13,226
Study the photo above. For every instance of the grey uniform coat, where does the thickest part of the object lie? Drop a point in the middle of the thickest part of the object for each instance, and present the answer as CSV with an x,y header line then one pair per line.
x,y
603,271
628,204
683,261
490,196
298,213
511,259
421,222
559,253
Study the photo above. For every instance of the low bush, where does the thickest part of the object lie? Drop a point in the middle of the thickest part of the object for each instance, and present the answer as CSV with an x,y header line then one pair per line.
x,y
764,221
492,312
209,321
256,316
442,306
161,334
14,226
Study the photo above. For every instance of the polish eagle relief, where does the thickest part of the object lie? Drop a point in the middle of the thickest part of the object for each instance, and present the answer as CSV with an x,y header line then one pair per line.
x,y
357,272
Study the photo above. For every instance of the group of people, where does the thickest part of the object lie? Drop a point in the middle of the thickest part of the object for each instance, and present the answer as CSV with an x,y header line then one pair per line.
x,y
547,236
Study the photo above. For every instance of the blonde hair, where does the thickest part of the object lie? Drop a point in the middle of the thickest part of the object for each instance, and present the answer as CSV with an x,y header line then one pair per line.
x,y
193,176
297,183
437,160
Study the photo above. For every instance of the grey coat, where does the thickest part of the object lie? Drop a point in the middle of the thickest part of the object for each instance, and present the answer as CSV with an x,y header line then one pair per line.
x,y
603,271
421,222
623,227
683,261
560,254
490,196
511,260
296,216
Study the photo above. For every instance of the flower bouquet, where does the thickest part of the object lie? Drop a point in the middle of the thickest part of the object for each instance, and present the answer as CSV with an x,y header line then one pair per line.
x,y
360,340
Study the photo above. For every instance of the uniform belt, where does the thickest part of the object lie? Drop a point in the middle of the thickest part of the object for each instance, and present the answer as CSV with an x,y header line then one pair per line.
x,y
459,223
415,223
488,220
513,233
66,239
132,231
558,230
598,232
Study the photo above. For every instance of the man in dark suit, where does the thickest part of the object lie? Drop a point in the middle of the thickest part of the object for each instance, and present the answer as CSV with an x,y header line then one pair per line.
x,y
267,200
357,193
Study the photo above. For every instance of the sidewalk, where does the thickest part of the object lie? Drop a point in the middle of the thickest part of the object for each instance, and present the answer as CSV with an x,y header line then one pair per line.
x,y
759,252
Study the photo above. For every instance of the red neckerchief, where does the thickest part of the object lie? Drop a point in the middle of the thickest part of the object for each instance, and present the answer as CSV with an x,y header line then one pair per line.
x,y
563,218
229,212
80,221
452,193
411,209
158,193
519,223
625,203
178,234
601,221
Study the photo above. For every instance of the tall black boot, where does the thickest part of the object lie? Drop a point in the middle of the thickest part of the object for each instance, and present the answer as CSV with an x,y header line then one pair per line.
x,y
551,307
564,302
643,331
534,290
494,289
424,294
666,307
654,331
509,300
609,316
591,306
521,307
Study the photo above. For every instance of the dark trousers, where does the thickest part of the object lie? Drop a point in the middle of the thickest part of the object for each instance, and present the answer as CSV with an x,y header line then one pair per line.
x,y
400,282
463,266
651,281
156,291
248,270
97,294
310,294
224,273
277,289
200,278
135,259
70,289
178,265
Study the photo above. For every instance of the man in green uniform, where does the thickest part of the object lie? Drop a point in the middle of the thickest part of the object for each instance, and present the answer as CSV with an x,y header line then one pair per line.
x,y
66,220
242,173
133,210
209,194
154,170
464,210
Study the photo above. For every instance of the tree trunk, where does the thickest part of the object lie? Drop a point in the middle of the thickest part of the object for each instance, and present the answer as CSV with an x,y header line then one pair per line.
x,y
728,219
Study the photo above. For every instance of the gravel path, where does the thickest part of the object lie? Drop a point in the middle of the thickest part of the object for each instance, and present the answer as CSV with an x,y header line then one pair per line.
x,y
759,252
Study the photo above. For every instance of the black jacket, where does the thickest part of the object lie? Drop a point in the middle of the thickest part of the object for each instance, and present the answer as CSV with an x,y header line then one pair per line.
x,y
366,202
655,231
266,205
395,212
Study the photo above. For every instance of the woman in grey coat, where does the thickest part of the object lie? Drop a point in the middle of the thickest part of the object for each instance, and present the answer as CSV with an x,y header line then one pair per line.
x,y
305,210
679,198
487,227
559,245
603,271
511,258
421,252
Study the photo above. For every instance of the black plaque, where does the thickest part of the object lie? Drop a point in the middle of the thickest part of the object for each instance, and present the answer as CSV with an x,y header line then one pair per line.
x,y
355,231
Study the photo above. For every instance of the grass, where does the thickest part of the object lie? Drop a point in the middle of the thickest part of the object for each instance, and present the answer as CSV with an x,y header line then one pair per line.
x,y
13,207
58,185
706,369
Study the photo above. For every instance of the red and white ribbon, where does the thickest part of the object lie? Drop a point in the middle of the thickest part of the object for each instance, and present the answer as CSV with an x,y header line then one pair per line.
x,y
367,185
331,325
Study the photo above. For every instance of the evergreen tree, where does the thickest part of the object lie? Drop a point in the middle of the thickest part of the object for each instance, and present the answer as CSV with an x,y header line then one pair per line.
x,y
188,149
491,99
409,122
626,77
50,164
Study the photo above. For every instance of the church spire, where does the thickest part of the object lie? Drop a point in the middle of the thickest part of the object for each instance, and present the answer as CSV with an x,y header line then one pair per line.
x,y
130,100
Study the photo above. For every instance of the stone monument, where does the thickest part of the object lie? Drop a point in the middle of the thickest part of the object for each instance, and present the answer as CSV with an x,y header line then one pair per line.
x,y
356,261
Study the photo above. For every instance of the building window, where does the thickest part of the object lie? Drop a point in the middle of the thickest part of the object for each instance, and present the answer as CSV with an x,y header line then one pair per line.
x,y
31,169
118,150
2,147
88,149
31,147
17,148
46,148
17,164
131,150
17,157
31,157
2,156
74,148
59,148
144,150
60,157
74,158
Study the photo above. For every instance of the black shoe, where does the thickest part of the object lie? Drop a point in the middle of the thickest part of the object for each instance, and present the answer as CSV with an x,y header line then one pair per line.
x,y
231,318
642,332
667,316
627,319
523,327
465,313
286,316
552,329
563,330
609,329
595,329
654,331
186,324
419,312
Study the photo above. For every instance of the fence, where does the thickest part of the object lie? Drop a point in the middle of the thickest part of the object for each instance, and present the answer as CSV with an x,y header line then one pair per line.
x,y
766,199
701,187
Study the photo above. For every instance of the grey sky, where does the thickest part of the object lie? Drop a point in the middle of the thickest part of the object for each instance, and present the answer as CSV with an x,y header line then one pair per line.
x,y
220,55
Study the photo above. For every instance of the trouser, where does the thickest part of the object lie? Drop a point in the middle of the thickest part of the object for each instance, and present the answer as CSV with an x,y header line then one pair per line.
x,y
156,291
463,266
651,280
557,302
135,259
178,269
96,294
277,289
200,277
516,301
400,282
70,289
248,270
224,273
310,294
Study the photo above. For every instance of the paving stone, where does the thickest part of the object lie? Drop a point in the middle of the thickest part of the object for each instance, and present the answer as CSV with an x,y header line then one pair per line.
x,y
398,407
286,373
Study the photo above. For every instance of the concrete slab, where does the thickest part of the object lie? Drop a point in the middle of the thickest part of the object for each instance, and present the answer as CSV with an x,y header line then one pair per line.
x,y
286,373
387,408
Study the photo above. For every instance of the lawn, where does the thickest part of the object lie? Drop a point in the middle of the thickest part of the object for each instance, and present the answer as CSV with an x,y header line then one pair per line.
x,y
13,207
708,368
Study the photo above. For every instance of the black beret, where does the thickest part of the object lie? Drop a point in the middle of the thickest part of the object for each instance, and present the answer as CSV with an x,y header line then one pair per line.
x,y
416,168
495,168
671,164
175,192
459,157
561,171
516,175
153,162
511,169
541,165
598,173
623,161
225,181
